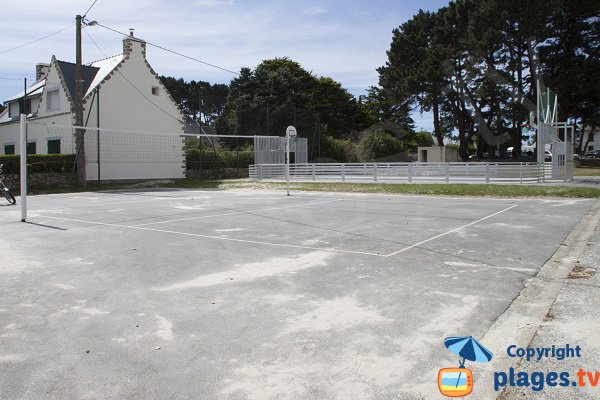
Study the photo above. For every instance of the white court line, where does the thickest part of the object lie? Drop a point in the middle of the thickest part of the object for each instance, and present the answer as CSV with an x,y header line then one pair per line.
x,y
282,244
238,212
219,237
449,232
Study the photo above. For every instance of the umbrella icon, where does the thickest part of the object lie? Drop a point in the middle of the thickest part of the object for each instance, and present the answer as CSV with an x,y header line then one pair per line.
x,y
467,348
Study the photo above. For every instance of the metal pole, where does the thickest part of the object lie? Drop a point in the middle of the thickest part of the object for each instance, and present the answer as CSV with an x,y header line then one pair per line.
x,y
287,162
23,159
98,126
81,175
318,135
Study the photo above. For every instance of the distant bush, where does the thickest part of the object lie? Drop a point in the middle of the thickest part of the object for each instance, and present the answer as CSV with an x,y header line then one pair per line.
x,y
379,145
338,150
197,159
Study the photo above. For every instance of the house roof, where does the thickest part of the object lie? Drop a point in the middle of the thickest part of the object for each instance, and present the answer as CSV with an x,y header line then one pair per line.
x,y
4,116
88,74
105,67
93,74
32,90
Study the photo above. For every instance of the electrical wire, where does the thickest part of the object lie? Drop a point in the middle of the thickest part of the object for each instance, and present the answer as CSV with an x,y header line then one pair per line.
x,y
132,85
88,10
174,52
37,40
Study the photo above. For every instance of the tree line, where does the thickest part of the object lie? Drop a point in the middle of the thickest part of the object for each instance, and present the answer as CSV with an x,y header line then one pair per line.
x,y
483,57
472,64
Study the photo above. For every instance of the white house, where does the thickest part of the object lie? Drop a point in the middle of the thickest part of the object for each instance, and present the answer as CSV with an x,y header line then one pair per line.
x,y
140,123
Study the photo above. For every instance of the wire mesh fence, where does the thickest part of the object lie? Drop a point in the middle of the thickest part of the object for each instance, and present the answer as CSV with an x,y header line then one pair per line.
x,y
272,120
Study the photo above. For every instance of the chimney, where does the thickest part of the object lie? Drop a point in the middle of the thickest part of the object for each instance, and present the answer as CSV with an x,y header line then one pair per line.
x,y
41,70
133,46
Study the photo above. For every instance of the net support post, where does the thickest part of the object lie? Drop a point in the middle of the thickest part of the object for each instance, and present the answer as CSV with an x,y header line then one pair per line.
x,y
521,172
23,162
289,132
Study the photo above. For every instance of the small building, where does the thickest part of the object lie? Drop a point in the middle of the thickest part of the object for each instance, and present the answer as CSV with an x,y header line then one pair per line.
x,y
437,154
591,138
140,121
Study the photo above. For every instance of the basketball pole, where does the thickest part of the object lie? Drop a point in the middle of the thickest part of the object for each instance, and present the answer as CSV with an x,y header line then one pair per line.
x,y
289,132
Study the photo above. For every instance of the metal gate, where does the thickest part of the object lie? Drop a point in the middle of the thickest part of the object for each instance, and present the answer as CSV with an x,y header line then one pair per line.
x,y
561,151
271,150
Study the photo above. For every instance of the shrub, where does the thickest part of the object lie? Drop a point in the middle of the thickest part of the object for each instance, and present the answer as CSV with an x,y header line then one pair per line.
x,y
378,145
338,150
196,159
39,163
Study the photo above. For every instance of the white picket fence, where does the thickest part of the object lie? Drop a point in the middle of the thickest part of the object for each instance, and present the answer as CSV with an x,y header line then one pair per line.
x,y
406,172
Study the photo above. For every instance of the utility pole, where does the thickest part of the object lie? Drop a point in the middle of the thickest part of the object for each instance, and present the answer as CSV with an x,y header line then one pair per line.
x,y
79,132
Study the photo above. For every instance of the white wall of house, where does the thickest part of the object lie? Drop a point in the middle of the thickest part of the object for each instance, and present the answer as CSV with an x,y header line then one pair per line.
x,y
128,103
40,131
132,99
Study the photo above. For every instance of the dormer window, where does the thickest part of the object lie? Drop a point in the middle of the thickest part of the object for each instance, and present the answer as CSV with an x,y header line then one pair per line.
x,y
53,100
19,107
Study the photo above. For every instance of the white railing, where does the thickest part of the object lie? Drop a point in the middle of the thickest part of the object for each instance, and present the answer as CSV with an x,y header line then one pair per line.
x,y
406,172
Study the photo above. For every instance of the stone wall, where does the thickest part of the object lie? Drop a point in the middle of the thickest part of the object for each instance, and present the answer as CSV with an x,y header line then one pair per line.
x,y
13,181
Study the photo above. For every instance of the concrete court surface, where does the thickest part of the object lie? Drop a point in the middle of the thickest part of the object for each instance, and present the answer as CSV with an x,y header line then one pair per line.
x,y
191,294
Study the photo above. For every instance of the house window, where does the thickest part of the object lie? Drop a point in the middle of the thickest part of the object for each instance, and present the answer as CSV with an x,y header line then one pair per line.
x,y
54,146
31,147
53,100
155,90
9,149
13,109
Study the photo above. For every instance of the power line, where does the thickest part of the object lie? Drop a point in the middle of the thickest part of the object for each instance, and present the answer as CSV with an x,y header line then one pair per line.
x,y
132,85
88,10
37,40
175,52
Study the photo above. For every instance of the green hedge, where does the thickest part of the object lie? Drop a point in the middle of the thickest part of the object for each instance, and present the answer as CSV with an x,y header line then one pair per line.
x,y
590,162
196,159
39,163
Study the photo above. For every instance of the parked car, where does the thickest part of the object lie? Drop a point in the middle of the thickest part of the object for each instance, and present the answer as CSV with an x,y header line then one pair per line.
x,y
593,154
547,155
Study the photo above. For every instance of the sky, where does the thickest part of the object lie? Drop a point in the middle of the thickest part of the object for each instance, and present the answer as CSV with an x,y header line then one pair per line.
x,y
345,40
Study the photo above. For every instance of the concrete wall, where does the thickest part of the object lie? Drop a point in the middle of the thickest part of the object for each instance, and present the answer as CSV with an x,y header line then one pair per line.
x,y
437,154
13,181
